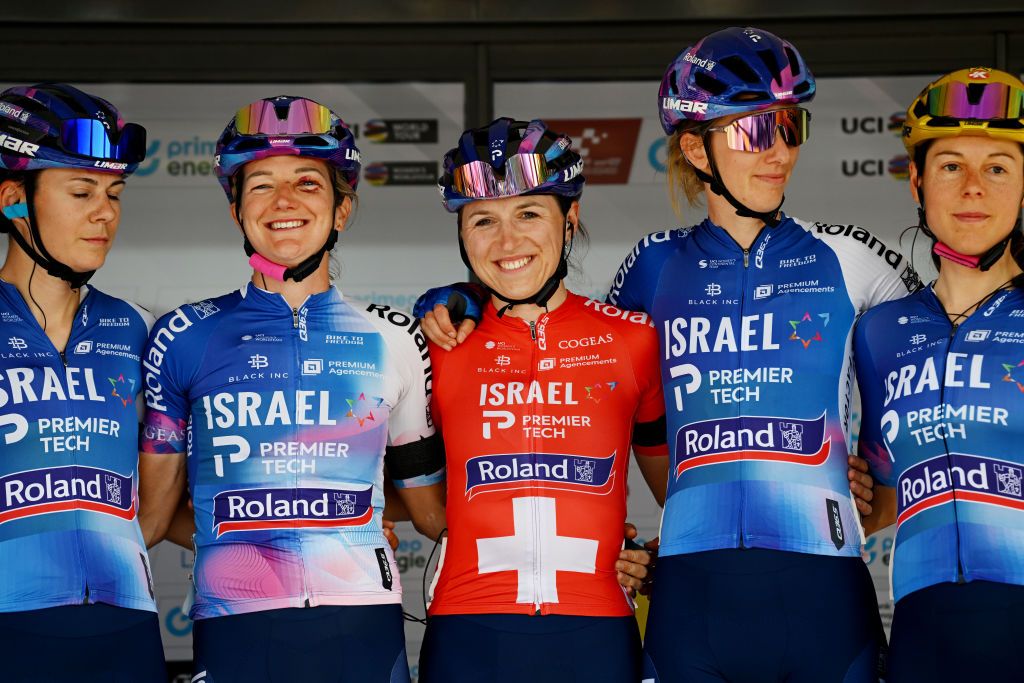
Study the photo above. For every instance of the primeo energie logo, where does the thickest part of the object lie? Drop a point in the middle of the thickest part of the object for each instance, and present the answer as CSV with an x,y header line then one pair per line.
x,y
179,157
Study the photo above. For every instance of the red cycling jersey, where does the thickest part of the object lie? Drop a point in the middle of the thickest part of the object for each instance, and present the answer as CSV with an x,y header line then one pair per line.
x,y
537,422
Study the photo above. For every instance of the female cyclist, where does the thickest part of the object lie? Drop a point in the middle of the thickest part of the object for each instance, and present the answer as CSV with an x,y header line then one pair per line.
x,y
942,384
538,412
293,399
76,592
759,570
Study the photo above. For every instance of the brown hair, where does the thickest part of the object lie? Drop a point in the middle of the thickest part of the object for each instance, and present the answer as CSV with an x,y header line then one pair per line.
x,y
679,172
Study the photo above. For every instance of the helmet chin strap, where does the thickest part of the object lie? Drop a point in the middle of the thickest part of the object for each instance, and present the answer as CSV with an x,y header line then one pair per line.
x,y
277,271
714,180
280,272
982,261
36,250
546,291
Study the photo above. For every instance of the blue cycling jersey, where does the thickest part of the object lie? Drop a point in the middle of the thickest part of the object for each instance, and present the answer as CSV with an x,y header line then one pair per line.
x,y
288,413
68,420
943,417
755,356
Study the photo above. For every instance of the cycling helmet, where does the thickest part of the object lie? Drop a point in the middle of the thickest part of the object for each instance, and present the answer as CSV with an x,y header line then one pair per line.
x,y
507,158
732,71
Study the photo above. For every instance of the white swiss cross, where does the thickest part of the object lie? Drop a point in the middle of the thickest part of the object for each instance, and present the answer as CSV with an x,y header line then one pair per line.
x,y
536,552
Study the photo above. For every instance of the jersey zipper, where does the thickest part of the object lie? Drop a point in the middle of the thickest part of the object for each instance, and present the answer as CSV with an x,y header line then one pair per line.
x,y
62,354
533,498
960,574
739,410
297,344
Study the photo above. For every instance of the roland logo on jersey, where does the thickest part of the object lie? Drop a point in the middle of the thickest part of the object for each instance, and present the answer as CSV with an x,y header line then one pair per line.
x,y
263,509
551,470
734,439
962,370
28,385
56,489
521,393
412,326
688,336
890,256
630,261
151,364
615,312
975,479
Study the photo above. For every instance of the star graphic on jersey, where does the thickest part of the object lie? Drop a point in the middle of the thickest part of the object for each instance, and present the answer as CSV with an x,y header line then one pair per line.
x,y
123,389
806,331
1015,374
597,392
361,409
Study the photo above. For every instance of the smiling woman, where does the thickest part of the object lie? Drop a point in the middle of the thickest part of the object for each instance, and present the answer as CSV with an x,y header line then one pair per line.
x,y
546,540
293,399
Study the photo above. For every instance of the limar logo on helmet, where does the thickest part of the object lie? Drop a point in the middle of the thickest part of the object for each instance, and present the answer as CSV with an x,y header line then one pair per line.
x,y
19,146
676,104
979,73
572,171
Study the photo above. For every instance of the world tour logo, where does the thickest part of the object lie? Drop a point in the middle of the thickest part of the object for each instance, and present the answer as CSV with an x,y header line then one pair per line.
x,y
265,509
769,439
74,487
554,471
974,479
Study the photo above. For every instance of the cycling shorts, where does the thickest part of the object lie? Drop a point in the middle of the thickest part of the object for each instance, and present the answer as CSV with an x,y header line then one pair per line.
x,y
756,615
958,632
96,643
513,648
329,644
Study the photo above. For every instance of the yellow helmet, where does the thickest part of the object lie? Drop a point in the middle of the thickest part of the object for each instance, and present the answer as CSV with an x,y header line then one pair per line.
x,y
976,101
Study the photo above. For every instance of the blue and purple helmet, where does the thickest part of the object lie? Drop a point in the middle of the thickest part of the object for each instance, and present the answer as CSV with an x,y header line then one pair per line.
x,y
508,158
53,125
732,71
285,126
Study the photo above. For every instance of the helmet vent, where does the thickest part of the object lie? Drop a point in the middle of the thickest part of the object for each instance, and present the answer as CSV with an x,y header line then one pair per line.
x,y
751,96
711,85
768,57
1006,124
794,62
740,68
